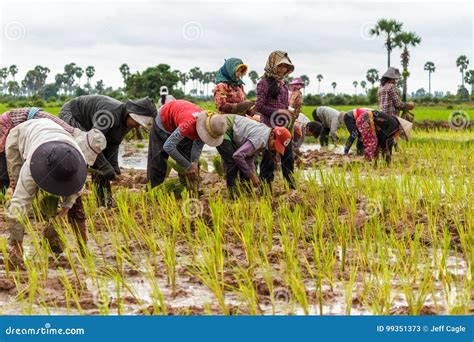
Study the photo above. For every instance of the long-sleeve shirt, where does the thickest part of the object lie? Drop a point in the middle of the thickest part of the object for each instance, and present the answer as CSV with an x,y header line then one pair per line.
x,y
389,100
20,146
14,117
110,117
266,105
301,121
249,137
225,95
329,118
178,118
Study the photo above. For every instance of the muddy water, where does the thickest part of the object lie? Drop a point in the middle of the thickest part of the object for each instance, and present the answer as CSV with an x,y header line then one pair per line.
x,y
133,155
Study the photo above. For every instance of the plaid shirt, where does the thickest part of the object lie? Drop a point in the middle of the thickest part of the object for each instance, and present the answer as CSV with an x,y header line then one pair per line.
x,y
389,100
266,105
13,118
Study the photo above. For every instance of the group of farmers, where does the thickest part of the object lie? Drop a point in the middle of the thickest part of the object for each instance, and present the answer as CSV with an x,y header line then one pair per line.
x,y
41,151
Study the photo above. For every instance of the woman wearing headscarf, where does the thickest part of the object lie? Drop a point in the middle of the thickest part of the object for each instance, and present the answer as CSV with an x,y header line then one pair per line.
x,y
229,95
378,130
272,104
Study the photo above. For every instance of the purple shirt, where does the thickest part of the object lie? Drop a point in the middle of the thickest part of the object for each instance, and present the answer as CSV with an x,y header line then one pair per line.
x,y
244,157
266,105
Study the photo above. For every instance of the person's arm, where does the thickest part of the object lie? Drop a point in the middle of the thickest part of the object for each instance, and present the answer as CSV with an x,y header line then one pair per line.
x,y
396,101
196,150
334,126
262,95
220,99
25,192
44,115
69,201
244,159
13,155
111,153
103,165
171,147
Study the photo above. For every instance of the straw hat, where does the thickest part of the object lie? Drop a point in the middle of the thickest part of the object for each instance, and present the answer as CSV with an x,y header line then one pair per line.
x,y
393,73
297,80
91,143
211,128
405,127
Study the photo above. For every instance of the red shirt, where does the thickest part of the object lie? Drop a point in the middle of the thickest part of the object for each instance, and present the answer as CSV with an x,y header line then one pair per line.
x,y
180,114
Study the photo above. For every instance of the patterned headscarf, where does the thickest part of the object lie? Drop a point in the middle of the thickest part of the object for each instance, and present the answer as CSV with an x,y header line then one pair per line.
x,y
274,60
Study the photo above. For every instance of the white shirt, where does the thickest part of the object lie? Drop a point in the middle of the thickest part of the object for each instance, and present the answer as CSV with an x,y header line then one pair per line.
x,y
22,142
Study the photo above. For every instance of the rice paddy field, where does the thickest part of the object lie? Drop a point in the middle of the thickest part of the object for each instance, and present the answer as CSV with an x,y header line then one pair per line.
x,y
352,239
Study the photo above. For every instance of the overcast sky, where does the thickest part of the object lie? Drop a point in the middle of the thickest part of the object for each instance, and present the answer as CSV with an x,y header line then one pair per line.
x,y
328,38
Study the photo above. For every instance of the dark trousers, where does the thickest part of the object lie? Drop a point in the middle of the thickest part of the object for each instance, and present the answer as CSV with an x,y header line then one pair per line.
x,y
158,158
267,166
4,179
324,136
354,134
227,150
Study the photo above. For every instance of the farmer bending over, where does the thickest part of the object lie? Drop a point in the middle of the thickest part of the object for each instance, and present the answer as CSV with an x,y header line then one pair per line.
x,y
330,119
41,154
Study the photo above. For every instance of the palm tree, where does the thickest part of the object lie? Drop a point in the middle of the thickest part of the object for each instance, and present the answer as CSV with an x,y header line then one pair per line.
x,y
13,70
79,73
403,40
430,67
372,76
254,78
125,71
462,63
355,84
363,84
13,87
334,85
388,28
90,72
183,78
469,78
306,81
320,78
3,76
194,75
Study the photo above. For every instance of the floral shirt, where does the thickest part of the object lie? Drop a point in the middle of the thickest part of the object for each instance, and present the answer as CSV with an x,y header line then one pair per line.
x,y
389,100
227,94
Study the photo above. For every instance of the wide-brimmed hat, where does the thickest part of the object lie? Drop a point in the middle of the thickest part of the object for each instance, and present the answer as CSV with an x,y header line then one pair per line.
x,y
91,143
58,168
297,80
211,128
405,128
144,121
164,90
282,139
393,73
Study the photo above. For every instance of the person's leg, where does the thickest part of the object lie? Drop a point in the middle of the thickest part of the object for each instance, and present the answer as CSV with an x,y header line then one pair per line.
x,y
288,165
185,148
360,145
77,219
4,179
324,137
157,157
267,168
226,150
349,121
